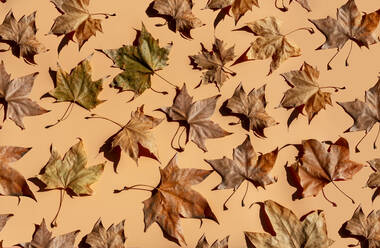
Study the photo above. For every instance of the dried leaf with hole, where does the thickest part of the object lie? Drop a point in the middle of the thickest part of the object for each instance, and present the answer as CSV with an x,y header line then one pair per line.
x,y
138,62
113,237
214,62
178,15
42,238
250,109
373,181
317,166
202,243
195,117
285,230
365,229
76,20
13,97
21,36
245,165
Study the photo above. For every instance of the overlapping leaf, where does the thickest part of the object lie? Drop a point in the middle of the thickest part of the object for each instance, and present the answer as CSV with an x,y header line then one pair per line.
x,y
373,181
113,237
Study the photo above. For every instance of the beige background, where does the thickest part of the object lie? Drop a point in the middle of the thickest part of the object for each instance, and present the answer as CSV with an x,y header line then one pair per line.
x,y
82,212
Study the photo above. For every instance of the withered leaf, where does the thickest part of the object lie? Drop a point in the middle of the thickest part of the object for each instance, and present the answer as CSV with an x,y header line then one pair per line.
x,y
113,237
76,20
246,165
365,229
318,166
12,182
214,62
269,43
174,198
195,117
251,109
138,62
42,238
21,36
287,231
13,96
365,114
178,15
4,219
305,93
373,181
350,24
202,243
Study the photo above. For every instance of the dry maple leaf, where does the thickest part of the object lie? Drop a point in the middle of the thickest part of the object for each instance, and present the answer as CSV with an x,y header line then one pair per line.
x,y
365,229
269,43
365,114
349,25
305,93
75,20
21,36
138,62
202,243
113,237
373,181
194,116
173,199
246,165
4,219
250,109
285,230
178,15
76,87
214,62
42,238
13,97
317,166
134,138
69,174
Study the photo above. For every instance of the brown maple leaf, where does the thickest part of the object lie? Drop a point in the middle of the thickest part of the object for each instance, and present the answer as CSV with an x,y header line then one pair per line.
x,y
12,183
349,25
250,109
285,230
214,62
202,243
21,36
365,229
134,138
76,20
365,114
317,166
246,165
373,181
178,15
305,93
13,95
173,199
113,237
42,238
195,117
269,43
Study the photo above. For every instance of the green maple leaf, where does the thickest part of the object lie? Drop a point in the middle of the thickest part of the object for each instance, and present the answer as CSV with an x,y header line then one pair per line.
x,y
138,62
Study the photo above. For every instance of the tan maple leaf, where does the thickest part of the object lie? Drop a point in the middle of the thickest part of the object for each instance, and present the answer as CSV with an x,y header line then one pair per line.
x,y
318,166
113,237
202,243
214,62
269,43
350,24
21,36
246,165
76,20
305,93
285,230
365,229
178,15
195,117
251,109
373,181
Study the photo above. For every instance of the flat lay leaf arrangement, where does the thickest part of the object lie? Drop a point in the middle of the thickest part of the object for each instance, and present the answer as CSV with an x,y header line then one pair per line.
x,y
185,189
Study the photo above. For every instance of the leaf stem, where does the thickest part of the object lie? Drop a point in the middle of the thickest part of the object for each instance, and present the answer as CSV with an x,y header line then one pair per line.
x,y
179,149
61,198
336,186
283,8
234,123
333,87
65,115
225,202
224,68
332,58
349,53
134,187
327,199
310,30
179,139
245,194
105,14
357,145
167,81
95,116
159,92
